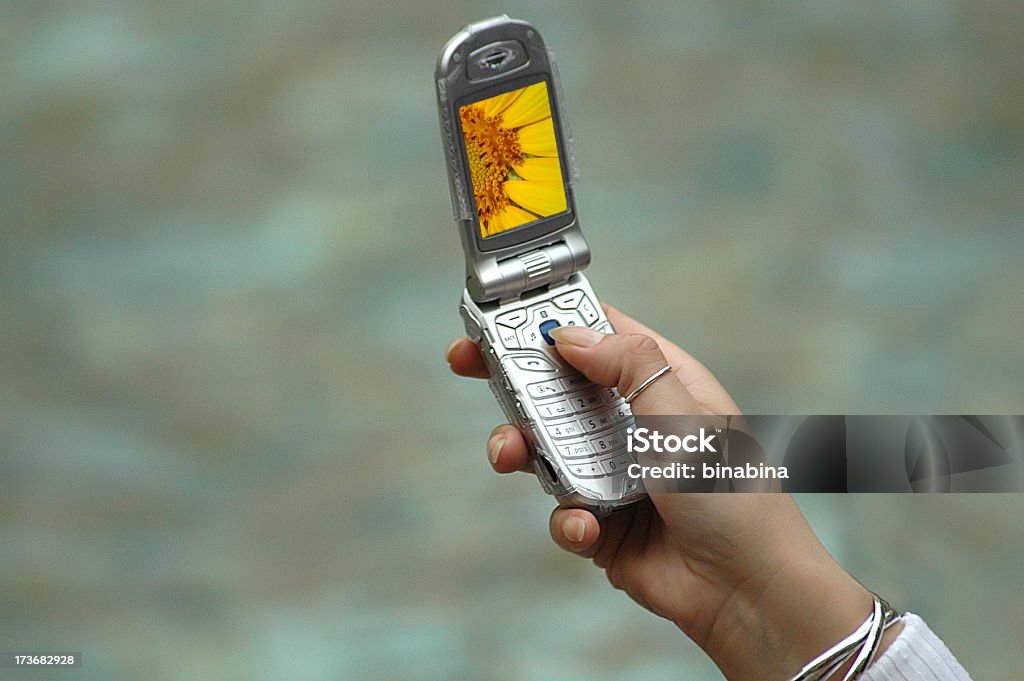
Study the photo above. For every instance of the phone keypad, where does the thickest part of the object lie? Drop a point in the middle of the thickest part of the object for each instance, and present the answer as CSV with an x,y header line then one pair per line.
x,y
596,418
586,423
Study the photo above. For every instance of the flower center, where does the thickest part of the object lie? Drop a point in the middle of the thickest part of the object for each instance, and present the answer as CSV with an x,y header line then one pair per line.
x,y
492,151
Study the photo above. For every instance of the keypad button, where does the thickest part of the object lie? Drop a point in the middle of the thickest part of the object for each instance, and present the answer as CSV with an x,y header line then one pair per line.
x,y
598,421
584,400
545,389
508,337
575,450
619,403
542,312
621,411
515,318
575,381
615,465
589,311
533,364
554,410
568,301
587,470
619,408
545,329
611,396
608,444
563,430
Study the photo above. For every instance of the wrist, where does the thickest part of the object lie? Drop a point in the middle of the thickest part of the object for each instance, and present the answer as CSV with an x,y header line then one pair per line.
x,y
771,597
769,629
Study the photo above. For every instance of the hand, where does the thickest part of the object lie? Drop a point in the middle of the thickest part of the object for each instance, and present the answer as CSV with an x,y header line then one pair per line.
x,y
742,574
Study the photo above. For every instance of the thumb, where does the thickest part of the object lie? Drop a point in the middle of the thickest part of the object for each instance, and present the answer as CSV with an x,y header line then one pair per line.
x,y
625,362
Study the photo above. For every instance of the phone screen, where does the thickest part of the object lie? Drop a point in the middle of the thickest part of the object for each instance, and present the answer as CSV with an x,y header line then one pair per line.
x,y
512,154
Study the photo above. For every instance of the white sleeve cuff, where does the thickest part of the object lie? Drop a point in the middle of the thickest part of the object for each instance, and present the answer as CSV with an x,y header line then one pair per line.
x,y
917,654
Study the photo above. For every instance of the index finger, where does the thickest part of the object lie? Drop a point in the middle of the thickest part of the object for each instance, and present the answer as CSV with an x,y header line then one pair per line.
x,y
465,359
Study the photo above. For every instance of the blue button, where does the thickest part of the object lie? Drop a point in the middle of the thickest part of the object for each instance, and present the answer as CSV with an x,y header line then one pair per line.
x,y
546,327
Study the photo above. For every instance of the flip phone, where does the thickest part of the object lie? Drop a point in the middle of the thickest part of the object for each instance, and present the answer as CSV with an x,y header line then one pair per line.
x,y
511,170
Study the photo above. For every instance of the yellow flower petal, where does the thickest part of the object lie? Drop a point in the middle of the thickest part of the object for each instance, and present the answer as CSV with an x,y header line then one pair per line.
x,y
531,107
542,198
512,136
539,139
508,218
495,105
545,169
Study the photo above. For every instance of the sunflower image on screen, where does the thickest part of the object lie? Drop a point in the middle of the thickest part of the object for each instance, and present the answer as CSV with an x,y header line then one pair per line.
x,y
513,159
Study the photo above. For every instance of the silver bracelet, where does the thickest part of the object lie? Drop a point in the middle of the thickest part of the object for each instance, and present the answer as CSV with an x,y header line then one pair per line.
x,y
864,642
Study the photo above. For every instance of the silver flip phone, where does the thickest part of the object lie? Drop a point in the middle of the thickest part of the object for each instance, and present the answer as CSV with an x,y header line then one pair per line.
x,y
510,166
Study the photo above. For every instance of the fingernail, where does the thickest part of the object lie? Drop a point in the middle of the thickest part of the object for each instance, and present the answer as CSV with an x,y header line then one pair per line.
x,y
576,335
574,528
448,352
494,449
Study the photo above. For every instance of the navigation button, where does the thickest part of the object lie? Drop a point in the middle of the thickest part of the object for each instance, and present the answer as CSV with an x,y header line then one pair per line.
x,y
508,337
515,318
588,311
568,301
545,329
543,311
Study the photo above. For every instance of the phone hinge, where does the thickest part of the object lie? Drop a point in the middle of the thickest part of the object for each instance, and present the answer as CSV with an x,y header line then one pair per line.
x,y
534,269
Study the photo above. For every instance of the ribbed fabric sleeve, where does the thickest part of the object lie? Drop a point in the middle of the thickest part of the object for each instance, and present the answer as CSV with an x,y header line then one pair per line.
x,y
917,654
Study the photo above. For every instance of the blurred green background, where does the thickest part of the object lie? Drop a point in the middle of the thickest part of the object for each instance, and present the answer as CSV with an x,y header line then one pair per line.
x,y
229,444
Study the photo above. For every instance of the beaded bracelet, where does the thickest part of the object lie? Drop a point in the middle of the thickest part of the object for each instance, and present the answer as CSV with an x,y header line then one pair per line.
x,y
863,642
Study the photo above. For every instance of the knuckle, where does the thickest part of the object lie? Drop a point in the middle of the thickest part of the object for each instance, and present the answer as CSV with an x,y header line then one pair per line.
x,y
639,344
